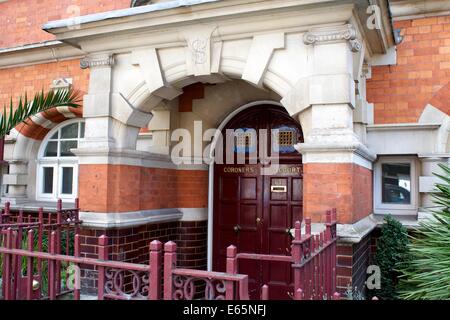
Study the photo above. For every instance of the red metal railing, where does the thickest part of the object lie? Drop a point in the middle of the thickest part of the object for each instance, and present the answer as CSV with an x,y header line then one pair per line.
x,y
187,284
34,233
313,260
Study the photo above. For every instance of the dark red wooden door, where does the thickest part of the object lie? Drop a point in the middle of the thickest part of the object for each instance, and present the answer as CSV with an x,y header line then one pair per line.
x,y
255,212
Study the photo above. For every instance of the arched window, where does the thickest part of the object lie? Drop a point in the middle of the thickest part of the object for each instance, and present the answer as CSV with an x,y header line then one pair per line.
x,y
57,170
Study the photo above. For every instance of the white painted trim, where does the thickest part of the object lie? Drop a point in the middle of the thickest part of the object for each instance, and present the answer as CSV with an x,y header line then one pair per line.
x,y
396,209
195,214
211,173
129,219
354,233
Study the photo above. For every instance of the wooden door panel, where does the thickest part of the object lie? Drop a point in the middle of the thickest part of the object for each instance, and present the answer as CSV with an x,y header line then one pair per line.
x,y
229,188
247,217
229,216
249,188
245,199
279,217
297,189
296,213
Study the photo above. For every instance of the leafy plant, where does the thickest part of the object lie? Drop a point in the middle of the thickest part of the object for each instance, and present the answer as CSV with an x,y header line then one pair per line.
x,y
427,277
14,115
392,250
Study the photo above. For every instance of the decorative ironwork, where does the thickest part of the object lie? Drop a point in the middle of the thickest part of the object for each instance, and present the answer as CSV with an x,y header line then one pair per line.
x,y
126,284
70,215
190,288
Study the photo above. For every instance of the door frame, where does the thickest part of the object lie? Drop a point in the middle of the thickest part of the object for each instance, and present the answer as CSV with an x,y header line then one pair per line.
x,y
211,172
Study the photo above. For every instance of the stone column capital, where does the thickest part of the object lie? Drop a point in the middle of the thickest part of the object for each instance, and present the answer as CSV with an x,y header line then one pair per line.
x,y
334,34
97,61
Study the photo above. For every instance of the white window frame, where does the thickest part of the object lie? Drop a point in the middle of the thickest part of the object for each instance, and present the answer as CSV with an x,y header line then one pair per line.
x,y
40,181
391,208
57,163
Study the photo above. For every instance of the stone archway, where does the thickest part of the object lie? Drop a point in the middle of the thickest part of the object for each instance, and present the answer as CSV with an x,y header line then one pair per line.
x,y
248,209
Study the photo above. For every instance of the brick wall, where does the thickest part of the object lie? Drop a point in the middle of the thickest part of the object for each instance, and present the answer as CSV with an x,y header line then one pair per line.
x,y
31,79
132,245
193,244
119,188
352,263
347,187
401,92
21,20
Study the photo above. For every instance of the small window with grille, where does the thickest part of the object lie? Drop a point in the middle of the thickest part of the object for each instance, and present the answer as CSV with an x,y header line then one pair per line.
x,y
285,139
245,140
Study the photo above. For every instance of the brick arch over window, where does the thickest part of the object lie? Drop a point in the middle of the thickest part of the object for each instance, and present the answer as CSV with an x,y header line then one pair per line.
x,y
441,99
37,127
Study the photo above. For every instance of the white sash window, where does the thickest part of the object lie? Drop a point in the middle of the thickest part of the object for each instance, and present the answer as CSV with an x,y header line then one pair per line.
x,y
57,170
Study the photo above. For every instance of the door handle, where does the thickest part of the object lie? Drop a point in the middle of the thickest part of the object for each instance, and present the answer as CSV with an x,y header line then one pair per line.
x,y
258,220
237,228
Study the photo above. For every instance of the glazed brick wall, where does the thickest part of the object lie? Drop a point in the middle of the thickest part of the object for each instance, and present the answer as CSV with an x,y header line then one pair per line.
x,y
352,263
21,20
120,188
347,187
192,244
15,82
132,245
401,92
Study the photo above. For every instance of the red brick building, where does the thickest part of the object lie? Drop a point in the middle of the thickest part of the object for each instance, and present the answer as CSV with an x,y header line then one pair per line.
x,y
359,93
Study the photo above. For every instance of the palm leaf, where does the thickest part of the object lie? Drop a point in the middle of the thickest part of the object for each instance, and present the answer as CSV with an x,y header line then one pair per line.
x,y
427,277
40,103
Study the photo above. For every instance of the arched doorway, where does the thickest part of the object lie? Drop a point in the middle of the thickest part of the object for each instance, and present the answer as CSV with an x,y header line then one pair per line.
x,y
253,210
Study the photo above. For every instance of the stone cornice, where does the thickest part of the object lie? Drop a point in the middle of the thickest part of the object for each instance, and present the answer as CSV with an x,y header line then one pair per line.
x,y
37,53
132,158
413,9
235,19
129,219
403,127
356,148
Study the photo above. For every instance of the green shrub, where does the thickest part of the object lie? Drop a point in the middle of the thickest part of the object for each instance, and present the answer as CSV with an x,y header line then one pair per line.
x,y
392,249
427,277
